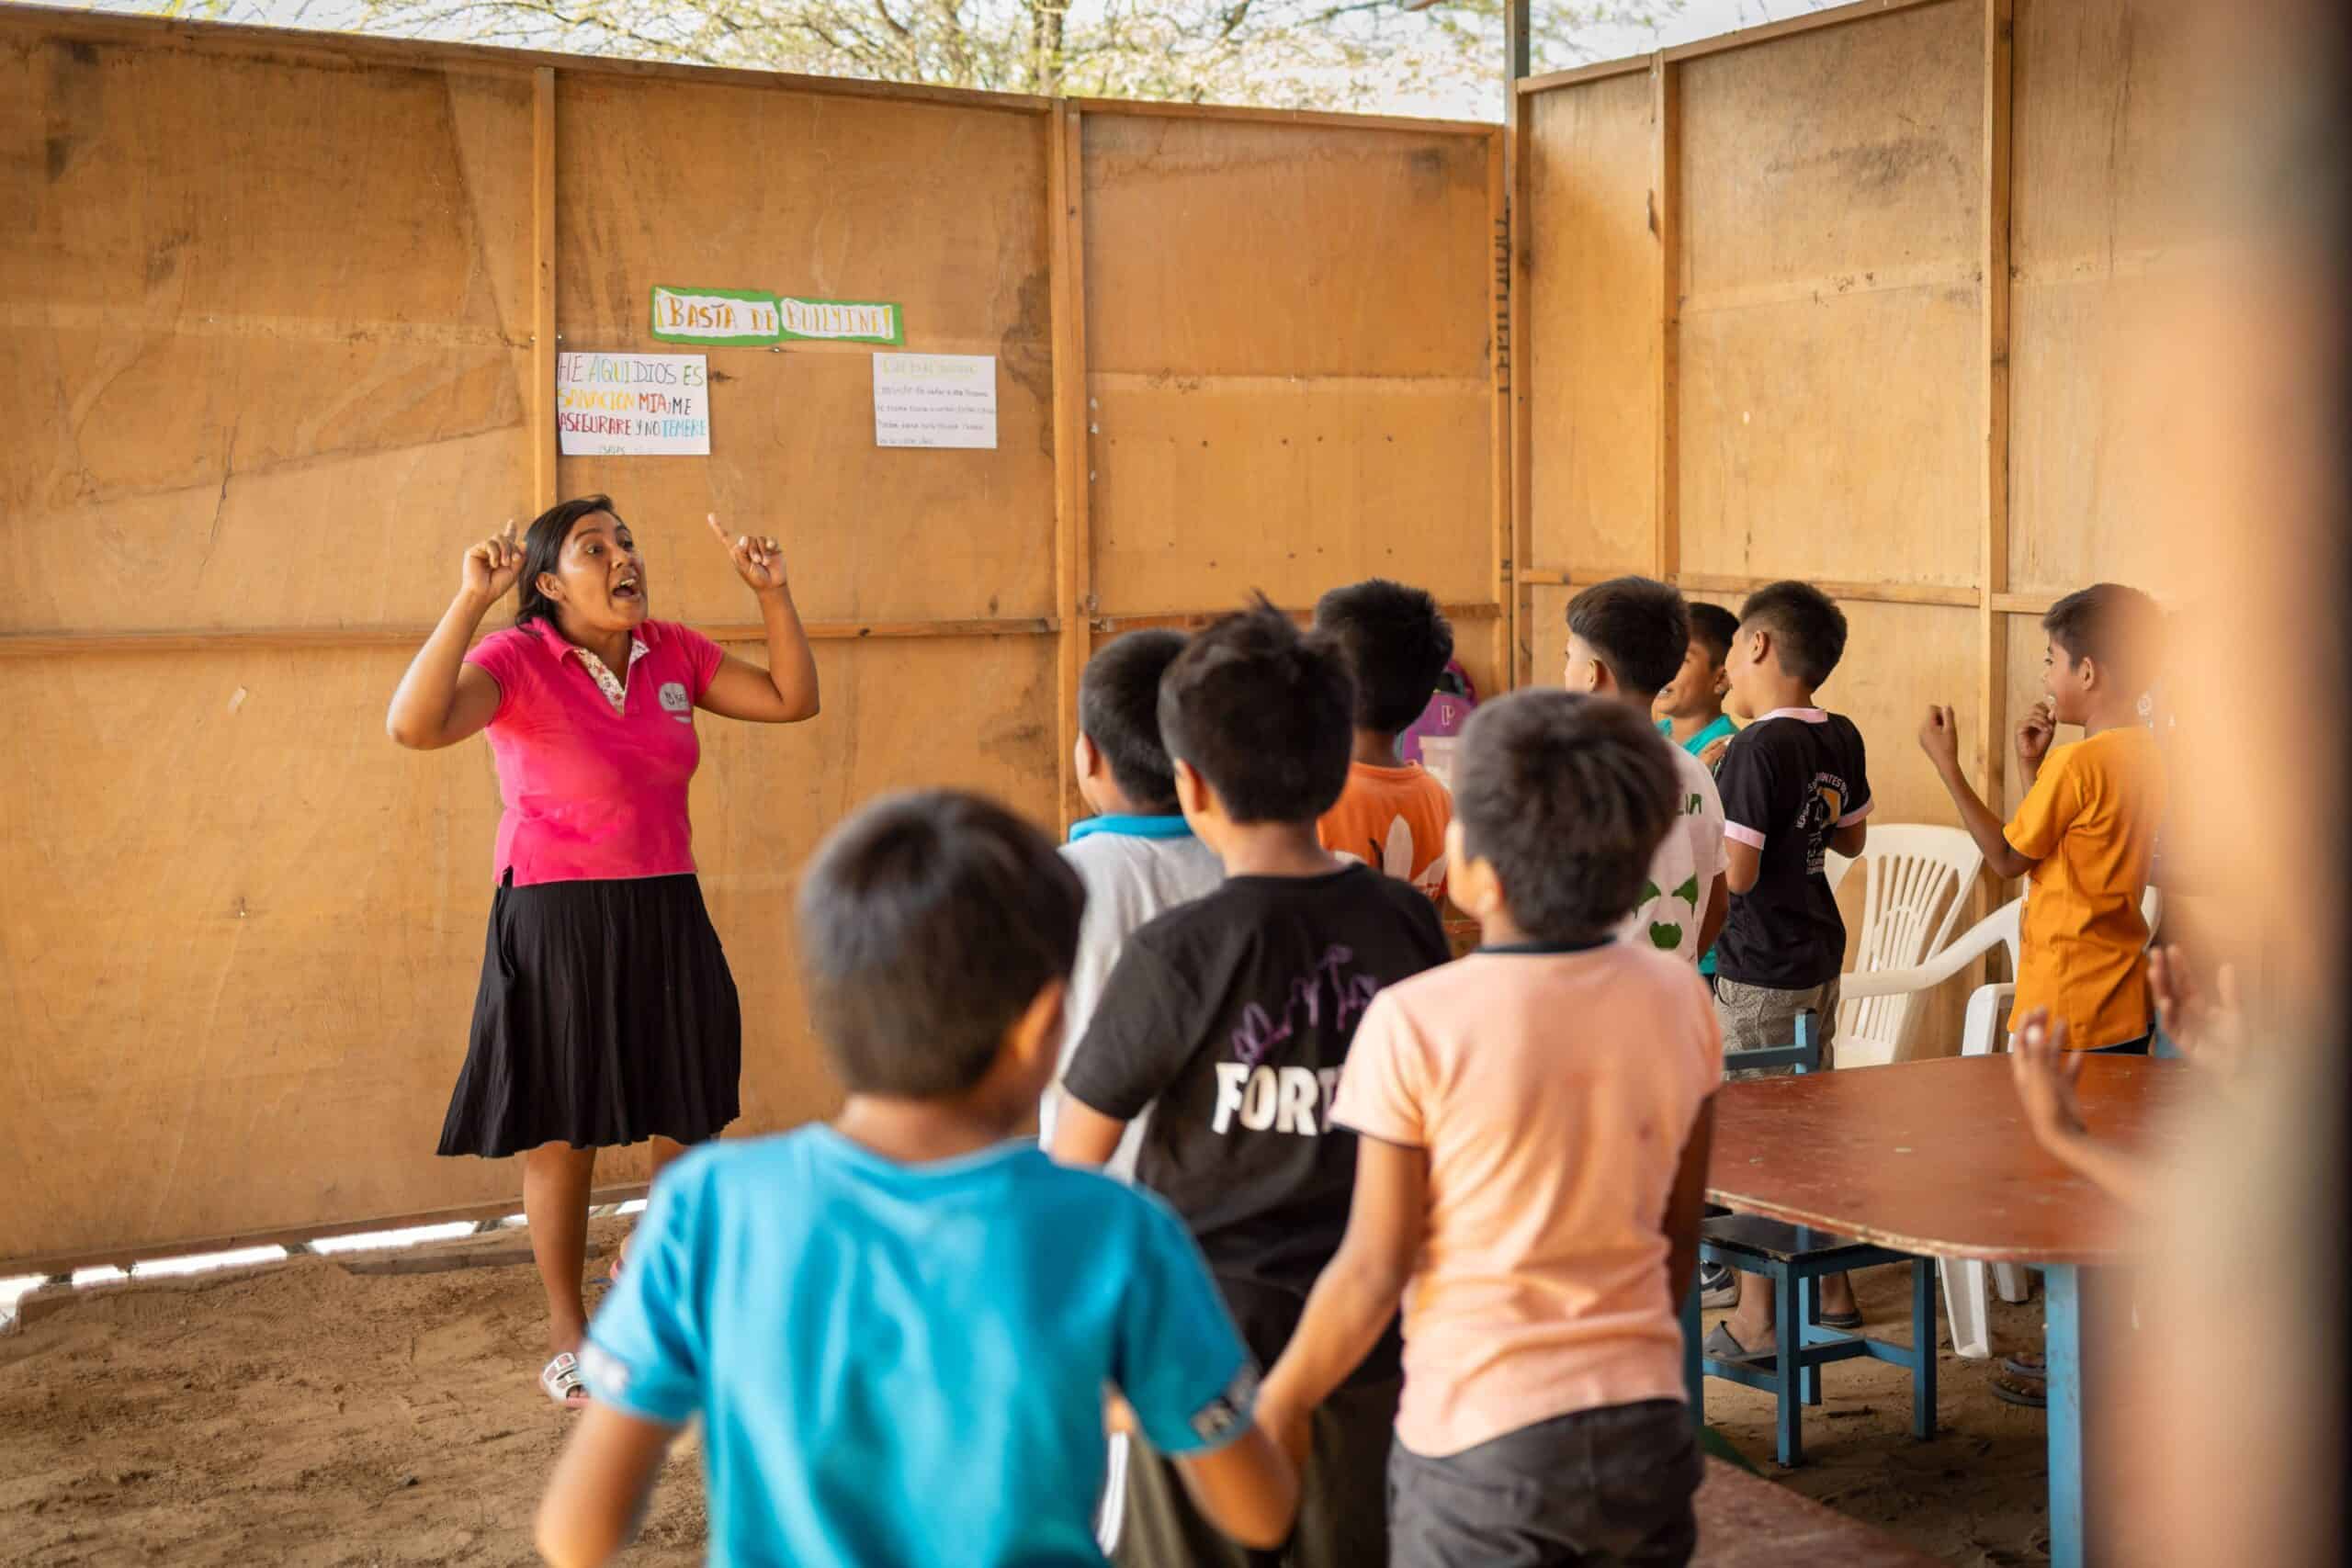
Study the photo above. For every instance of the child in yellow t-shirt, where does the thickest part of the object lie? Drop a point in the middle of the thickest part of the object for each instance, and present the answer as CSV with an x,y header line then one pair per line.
x,y
2084,834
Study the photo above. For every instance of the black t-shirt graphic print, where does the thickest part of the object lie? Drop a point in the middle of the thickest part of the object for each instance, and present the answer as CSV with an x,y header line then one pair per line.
x,y
1231,1018
1789,781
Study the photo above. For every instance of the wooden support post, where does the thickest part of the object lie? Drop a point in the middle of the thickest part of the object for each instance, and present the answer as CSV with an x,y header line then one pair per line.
x,y
1515,634
1073,448
541,401
1992,720
1666,222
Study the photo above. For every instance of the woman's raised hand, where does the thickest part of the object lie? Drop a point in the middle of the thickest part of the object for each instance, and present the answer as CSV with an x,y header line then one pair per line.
x,y
492,566
759,561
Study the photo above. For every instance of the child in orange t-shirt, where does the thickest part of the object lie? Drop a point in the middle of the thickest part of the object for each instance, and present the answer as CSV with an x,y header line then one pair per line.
x,y
1393,815
2085,832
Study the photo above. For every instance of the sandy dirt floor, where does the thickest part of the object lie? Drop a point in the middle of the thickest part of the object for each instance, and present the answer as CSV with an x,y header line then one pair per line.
x,y
309,1415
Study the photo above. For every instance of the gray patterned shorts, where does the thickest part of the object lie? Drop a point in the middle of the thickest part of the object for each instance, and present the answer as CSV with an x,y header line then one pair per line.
x,y
1763,1017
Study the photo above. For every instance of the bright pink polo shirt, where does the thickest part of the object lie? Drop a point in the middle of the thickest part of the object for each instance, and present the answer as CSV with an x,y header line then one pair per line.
x,y
592,792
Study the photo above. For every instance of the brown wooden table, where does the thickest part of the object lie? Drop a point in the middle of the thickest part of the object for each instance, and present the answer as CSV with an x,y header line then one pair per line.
x,y
1935,1158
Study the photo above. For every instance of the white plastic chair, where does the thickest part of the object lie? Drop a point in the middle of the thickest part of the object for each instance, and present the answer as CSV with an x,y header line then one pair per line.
x,y
1919,878
1967,1305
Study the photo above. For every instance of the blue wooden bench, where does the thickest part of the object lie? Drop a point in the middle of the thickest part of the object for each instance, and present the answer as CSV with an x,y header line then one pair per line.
x,y
1795,1258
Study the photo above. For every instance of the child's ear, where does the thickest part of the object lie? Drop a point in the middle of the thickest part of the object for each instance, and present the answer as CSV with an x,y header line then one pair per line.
x,y
1083,757
1034,1041
1722,680
1192,795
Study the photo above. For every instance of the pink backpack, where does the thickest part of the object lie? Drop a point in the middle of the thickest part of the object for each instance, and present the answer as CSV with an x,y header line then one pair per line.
x,y
1429,738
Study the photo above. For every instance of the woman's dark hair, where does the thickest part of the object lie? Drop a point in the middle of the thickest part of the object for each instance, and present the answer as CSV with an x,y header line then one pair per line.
x,y
929,922
543,549
1568,796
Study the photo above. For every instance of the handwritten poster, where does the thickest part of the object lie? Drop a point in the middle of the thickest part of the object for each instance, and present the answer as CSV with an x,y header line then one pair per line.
x,y
722,317
738,318
935,399
842,320
632,404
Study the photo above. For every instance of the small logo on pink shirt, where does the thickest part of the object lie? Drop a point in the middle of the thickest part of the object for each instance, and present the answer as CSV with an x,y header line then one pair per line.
x,y
676,702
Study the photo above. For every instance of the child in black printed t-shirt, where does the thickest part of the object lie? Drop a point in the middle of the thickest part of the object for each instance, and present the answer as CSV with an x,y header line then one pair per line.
x,y
1231,1017
1794,787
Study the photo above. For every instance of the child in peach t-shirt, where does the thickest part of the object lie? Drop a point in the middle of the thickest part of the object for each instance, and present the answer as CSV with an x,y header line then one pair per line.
x,y
1533,1122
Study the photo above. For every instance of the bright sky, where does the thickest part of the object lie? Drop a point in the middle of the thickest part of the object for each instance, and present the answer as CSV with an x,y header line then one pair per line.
x,y
1682,22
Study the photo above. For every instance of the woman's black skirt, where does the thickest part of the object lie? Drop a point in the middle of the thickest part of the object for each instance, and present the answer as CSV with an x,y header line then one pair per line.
x,y
606,1016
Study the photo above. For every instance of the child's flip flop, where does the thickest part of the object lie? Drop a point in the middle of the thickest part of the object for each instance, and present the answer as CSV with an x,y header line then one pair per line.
x,y
2033,1394
2025,1366
560,1380
1839,1319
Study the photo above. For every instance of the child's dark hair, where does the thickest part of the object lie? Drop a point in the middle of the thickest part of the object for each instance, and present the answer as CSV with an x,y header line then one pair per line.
x,y
543,552
1265,712
1715,629
1396,645
1569,798
1118,709
928,923
1637,627
1805,623
2111,625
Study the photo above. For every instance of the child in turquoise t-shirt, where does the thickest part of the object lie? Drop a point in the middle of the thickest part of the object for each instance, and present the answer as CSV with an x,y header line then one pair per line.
x,y
897,1330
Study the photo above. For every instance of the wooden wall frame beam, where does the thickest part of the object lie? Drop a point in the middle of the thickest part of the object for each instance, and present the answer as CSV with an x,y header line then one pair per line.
x,y
1992,577
292,639
1666,223
541,403
1073,536
1515,522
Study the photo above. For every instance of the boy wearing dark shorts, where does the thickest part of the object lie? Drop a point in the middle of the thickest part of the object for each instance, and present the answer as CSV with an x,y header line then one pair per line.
x,y
1794,787
1535,1124
1231,1019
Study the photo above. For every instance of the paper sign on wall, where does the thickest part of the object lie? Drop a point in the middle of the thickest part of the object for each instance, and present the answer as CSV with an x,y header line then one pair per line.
x,y
640,404
724,317
737,318
935,399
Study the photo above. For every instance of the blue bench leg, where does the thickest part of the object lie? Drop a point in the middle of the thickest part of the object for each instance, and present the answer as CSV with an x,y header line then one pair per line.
x,y
1787,1397
1923,1347
2062,1304
1809,1378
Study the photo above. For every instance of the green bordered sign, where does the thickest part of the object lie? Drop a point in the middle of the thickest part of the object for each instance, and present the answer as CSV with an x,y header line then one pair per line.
x,y
842,320
723,318
746,319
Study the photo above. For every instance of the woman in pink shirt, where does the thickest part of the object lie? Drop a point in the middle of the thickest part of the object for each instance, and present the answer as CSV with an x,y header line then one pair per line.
x,y
606,1015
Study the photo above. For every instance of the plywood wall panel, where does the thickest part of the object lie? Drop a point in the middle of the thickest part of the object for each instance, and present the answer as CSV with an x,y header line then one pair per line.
x,y
1837,439
935,207
1833,155
1231,248
2107,150
277,1016
1289,349
323,296
1589,362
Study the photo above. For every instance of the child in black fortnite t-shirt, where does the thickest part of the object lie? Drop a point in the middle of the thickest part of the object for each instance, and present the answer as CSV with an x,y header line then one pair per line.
x,y
1230,1019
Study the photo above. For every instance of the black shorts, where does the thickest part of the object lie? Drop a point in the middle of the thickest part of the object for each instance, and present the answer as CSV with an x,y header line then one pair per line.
x,y
1612,1485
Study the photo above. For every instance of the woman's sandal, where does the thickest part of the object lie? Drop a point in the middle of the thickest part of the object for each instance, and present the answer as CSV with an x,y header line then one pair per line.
x,y
560,1379
1840,1320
